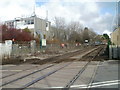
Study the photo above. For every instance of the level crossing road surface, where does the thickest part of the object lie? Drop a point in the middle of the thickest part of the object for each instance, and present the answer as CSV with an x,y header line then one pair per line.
x,y
106,75
71,74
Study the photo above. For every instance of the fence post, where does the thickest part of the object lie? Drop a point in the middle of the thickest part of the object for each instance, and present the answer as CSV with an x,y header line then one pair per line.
x,y
8,44
15,50
115,55
119,52
110,51
33,46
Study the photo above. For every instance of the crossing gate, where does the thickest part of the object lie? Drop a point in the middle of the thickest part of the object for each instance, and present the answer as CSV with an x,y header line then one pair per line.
x,y
5,49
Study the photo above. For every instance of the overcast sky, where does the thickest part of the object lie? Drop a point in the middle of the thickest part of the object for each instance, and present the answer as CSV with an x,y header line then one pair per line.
x,y
97,15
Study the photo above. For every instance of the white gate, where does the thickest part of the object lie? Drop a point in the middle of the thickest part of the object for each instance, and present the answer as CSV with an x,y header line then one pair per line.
x,y
5,49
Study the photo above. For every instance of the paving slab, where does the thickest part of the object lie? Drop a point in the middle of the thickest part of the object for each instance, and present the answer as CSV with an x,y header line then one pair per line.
x,y
107,74
63,76
86,76
10,86
10,78
29,78
18,67
7,73
7,66
107,71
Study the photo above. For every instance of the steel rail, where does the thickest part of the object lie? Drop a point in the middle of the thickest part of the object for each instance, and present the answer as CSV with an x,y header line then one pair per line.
x,y
93,75
26,75
76,76
44,76
63,56
32,67
18,72
81,70
35,67
38,79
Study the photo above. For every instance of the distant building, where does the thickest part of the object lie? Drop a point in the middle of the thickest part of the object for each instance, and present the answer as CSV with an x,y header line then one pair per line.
x,y
37,25
115,36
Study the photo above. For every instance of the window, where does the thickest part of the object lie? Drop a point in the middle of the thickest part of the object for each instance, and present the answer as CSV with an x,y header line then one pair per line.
x,y
32,21
29,22
47,24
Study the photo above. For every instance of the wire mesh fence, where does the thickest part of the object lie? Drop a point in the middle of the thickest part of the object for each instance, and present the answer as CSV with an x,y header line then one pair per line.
x,y
27,50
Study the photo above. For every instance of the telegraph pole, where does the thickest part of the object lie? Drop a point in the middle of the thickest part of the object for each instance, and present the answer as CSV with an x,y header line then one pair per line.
x,y
34,16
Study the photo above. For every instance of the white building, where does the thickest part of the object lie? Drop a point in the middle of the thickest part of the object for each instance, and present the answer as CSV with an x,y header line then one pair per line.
x,y
37,25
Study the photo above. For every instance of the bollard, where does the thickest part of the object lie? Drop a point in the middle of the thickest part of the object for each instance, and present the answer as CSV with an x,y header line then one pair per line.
x,y
33,46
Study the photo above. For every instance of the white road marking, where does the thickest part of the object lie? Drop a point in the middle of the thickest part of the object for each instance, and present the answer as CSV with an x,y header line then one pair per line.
x,y
12,70
98,84
83,85
106,82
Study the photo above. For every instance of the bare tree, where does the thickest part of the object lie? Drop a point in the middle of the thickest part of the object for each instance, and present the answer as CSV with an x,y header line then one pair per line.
x,y
59,22
75,37
72,31
92,35
60,26
75,26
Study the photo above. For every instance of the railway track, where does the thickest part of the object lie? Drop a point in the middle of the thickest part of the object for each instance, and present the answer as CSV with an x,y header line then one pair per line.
x,y
62,57
52,59
94,54
26,75
52,69
18,71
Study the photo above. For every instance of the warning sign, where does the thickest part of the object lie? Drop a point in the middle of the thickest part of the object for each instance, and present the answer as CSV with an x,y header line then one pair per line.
x,y
43,42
